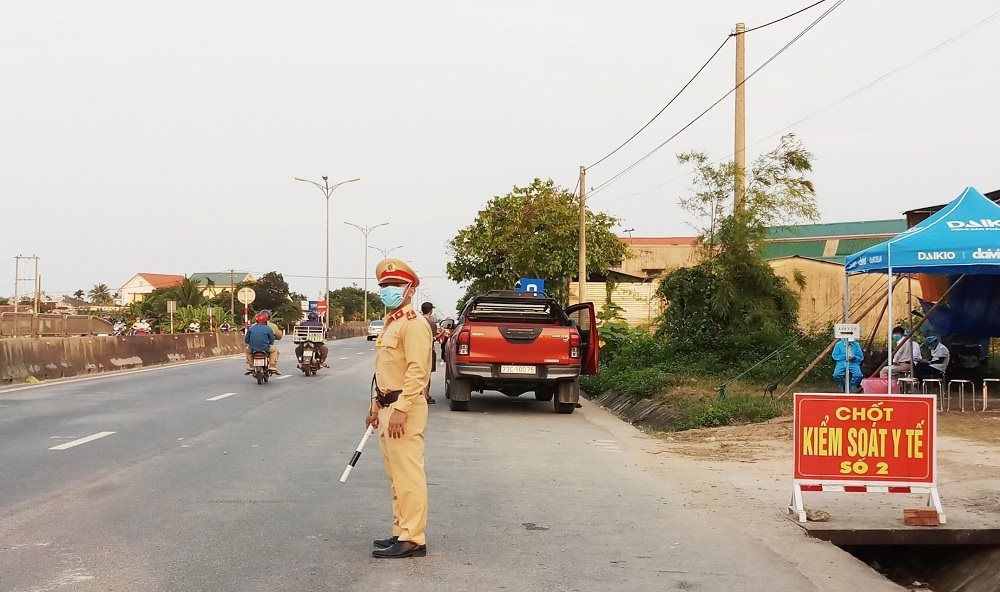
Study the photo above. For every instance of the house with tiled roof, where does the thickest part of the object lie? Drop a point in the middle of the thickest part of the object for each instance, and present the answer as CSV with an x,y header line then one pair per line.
x,y
142,284
216,282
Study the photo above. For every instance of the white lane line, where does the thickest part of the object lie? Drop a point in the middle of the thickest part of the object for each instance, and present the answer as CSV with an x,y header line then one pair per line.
x,y
282,377
343,358
90,438
222,396
361,353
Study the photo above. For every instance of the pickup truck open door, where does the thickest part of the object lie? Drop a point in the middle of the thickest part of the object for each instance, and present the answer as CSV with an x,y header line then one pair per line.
x,y
586,322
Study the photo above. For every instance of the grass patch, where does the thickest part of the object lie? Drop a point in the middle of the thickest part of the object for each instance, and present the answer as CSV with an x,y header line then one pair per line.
x,y
734,409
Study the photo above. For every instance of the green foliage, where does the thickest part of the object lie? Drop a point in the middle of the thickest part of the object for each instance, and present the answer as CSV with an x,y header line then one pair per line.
x,y
100,295
79,294
532,231
710,413
350,301
271,290
187,293
4,301
611,312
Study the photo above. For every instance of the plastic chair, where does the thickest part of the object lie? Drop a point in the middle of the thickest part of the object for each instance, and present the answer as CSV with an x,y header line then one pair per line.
x,y
939,384
961,392
986,391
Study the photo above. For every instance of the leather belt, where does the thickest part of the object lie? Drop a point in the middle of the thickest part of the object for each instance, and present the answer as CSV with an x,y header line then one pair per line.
x,y
386,398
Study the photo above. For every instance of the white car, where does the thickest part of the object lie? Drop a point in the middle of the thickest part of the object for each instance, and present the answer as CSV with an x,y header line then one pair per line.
x,y
375,329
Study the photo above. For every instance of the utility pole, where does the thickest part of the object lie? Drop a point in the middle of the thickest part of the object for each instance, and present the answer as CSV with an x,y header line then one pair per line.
x,y
740,148
17,278
366,230
232,293
582,278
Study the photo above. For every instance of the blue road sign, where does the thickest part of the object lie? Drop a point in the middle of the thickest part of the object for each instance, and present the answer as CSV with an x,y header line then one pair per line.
x,y
535,285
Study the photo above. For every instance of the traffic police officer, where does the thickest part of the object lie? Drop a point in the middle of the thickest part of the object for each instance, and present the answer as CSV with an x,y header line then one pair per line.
x,y
402,365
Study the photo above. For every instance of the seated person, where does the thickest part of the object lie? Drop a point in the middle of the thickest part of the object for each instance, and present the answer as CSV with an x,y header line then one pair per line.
x,y
848,356
902,357
313,321
937,365
260,338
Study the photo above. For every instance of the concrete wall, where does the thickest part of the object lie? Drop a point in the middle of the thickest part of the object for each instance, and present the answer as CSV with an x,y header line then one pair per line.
x,y
57,357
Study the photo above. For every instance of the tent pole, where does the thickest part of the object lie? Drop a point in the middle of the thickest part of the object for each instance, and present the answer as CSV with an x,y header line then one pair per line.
x,y
888,326
847,343
909,300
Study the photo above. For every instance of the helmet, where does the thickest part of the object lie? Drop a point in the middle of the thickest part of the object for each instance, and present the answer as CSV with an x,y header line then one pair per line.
x,y
312,316
261,317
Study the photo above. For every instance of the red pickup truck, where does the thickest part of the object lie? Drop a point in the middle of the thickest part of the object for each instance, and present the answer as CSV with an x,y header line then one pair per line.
x,y
515,342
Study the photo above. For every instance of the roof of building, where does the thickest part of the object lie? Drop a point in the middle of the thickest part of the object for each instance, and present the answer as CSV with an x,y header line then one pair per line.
x,y
161,280
72,302
883,228
222,278
992,195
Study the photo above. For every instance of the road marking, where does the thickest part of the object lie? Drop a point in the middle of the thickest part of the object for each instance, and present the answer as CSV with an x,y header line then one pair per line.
x,y
282,377
344,358
222,396
90,438
361,353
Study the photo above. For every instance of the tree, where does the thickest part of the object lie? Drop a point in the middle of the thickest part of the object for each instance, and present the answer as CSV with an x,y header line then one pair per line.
x,y
732,306
79,294
187,293
532,231
100,295
4,301
350,301
271,290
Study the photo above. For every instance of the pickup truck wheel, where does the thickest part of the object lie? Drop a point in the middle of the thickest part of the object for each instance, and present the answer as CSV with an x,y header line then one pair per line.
x,y
458,405
460,388
566,408
544,393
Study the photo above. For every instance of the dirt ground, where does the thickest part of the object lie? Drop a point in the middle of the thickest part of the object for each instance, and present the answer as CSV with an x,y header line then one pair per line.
x,y
968,455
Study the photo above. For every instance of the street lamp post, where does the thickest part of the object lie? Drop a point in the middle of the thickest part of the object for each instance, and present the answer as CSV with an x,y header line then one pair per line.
x,y
385,252
327,189
366,230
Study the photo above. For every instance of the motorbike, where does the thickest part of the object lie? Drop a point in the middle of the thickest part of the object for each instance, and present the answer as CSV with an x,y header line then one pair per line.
x,y
309,362
260,369
311,340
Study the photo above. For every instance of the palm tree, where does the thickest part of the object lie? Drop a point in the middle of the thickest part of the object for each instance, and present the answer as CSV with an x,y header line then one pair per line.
x,y
100,295
188,293
79,294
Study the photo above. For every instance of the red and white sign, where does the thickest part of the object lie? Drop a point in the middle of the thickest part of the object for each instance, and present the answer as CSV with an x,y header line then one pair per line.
x,y
321,307
864,443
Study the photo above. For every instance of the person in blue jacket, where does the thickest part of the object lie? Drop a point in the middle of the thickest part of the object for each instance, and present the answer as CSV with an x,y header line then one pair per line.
x,y
848,355
260,338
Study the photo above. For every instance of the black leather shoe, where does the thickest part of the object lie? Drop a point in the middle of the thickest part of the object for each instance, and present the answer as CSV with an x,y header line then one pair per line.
x,y
431,401
401,549
385,543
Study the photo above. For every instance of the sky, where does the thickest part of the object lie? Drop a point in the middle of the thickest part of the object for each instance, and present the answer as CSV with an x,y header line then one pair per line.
x,y
164,137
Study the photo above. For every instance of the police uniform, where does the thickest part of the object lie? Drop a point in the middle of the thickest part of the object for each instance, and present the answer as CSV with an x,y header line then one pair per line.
x,y
402,365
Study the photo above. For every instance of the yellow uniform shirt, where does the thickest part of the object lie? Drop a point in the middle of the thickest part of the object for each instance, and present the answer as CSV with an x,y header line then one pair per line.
x,y
403,356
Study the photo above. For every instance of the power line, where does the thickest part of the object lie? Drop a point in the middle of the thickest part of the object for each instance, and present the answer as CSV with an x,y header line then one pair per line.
x,y
838,102
716,103
787,16
670,102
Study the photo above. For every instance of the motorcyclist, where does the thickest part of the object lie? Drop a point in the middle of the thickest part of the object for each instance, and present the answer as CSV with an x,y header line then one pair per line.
x,y
261,337
272,358
312,320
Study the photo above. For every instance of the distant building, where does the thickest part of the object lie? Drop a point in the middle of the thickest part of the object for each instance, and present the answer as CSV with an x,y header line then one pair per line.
x,y
816,252
143,284
214,283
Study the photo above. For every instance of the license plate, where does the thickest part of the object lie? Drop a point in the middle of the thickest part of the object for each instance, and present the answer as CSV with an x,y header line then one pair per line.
x,y
307,355
517,369
260,362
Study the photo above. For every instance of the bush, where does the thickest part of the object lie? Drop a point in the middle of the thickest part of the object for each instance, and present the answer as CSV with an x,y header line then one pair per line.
x,y
733,409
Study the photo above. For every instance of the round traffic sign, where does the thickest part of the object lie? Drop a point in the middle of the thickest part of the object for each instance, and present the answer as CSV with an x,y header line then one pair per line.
x,y
246,295
321,307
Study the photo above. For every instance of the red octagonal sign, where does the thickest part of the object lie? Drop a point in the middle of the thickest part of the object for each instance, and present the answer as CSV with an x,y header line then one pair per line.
x,y
321,307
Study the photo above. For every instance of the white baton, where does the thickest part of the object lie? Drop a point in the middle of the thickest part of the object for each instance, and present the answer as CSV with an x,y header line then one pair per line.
x,y
357,454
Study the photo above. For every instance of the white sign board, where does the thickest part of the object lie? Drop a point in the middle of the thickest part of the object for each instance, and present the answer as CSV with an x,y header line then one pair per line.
x,y
850,331
246,295
171,306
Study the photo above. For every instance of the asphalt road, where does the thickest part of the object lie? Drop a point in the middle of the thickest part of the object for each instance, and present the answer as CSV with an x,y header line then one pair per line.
x,y
241,493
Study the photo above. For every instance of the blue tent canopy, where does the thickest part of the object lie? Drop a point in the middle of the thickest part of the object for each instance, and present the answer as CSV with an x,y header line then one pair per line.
x,y
961,238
